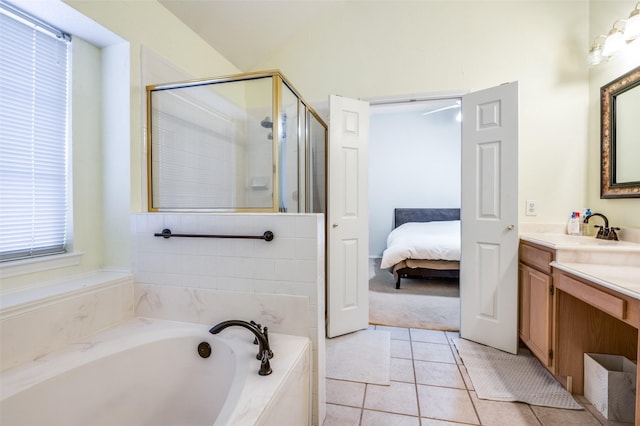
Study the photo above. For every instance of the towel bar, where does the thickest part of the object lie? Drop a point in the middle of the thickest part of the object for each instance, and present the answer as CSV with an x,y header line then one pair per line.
x,y
166,233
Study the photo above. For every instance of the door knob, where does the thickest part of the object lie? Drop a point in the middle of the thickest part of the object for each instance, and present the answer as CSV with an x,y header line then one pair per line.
x,y
335,225
510,227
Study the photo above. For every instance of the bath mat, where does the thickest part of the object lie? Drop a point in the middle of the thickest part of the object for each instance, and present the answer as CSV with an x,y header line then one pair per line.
x,y
363,356
501,376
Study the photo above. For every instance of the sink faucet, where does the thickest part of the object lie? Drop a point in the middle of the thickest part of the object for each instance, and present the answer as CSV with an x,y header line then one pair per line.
x,y
264,351
604,232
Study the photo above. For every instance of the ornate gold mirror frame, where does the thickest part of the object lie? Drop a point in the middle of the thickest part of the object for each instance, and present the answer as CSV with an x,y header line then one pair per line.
x,y
612,185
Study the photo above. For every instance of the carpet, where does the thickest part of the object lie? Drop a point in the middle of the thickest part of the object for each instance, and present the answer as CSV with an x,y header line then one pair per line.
x,y
501,376
363,356
432,304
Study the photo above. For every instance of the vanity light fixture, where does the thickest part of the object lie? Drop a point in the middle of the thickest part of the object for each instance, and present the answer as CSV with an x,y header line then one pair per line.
x,y
623,32
595,53
615,40
632,27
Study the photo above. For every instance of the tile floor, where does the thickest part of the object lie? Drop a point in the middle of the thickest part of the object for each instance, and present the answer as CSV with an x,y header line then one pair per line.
x,y
430,387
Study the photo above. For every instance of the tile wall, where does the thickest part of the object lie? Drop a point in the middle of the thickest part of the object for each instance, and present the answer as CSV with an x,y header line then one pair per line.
x,y
278,283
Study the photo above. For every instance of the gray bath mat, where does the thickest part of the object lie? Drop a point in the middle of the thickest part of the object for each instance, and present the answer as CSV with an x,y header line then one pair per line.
x,y
363,356
501,376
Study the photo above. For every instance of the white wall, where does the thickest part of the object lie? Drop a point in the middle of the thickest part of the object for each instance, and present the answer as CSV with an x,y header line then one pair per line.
x,y
621,212
109,177
148,24
414,161
376,49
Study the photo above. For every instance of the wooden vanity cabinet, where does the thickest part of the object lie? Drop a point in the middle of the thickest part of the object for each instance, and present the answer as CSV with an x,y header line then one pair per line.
x,y
536,301
591,318
563,315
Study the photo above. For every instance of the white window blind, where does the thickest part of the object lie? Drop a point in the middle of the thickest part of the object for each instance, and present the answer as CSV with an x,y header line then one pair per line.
x,y
34,92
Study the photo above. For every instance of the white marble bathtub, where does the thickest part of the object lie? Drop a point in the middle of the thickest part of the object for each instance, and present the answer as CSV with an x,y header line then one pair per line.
x,y
148,372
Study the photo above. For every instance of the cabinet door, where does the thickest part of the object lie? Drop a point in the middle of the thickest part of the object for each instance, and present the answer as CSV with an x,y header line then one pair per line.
x,y
524,296
539,305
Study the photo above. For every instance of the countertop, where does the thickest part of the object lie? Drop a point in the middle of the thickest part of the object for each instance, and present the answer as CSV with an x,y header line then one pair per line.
x,y
611,264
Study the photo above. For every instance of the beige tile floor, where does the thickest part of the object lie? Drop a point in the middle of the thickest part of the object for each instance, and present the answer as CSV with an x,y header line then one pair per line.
x,y
430,387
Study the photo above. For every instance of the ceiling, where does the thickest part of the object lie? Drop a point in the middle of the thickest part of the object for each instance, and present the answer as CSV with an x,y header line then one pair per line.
x,y
248,31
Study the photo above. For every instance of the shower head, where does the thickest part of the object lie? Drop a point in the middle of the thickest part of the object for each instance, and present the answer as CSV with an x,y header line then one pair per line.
x,y
267,123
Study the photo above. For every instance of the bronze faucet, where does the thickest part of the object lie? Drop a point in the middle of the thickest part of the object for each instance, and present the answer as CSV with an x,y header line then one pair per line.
x,y
262,336
604,232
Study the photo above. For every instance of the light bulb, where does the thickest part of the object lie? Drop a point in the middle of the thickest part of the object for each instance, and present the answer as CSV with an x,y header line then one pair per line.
x,y
632,26
615,42
595,56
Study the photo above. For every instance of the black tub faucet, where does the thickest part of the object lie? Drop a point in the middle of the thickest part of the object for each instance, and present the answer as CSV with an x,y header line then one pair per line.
x,y
264,351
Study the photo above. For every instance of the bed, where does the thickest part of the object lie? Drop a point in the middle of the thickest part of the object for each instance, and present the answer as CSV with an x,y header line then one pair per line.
x,y
425,243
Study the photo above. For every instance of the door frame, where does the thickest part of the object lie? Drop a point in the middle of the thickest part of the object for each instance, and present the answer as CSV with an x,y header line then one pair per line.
x,y
451,95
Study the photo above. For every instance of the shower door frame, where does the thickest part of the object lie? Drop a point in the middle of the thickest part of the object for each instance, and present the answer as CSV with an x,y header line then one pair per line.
x,y
278,81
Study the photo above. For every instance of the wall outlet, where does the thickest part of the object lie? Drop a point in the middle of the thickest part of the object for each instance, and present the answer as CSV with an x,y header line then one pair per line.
x,y
531,208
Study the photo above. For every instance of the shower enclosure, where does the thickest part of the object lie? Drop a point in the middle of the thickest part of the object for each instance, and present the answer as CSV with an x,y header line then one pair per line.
x,y
246,142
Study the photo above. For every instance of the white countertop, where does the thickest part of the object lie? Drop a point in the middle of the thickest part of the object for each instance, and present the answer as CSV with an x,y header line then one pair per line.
x,y
623,279
611,264
570,242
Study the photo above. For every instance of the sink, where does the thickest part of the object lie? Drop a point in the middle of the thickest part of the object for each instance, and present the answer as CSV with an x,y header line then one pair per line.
x,y
613,264
564,241
589,250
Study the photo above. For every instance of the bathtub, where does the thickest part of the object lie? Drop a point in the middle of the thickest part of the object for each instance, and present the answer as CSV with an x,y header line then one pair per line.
x,y
149,372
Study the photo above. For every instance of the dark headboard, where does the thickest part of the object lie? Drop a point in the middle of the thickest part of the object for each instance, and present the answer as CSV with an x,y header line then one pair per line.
x,y
424,215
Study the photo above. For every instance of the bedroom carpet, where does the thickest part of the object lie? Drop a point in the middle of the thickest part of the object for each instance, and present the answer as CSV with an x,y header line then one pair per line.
x,y
432,304
501,376
363,356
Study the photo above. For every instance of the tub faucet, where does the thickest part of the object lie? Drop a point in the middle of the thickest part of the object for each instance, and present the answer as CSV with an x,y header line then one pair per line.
x,y
264,351
604,232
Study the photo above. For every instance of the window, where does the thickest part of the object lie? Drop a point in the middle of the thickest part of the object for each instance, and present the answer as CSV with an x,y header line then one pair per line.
x,y
34,88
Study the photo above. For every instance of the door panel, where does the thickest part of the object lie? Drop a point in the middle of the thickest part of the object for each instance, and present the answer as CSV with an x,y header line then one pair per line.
x,y
348,217
489,215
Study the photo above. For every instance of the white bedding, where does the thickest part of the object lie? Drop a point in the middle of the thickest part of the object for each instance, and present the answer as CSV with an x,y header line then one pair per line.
x,y
422,240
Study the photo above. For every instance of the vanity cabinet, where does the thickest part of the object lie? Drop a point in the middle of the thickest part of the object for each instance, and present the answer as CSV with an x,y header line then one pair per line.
x,y
573,308
536,301
591,318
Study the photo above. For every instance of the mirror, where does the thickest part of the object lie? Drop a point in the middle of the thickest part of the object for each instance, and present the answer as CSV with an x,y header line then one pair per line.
x,y
620,137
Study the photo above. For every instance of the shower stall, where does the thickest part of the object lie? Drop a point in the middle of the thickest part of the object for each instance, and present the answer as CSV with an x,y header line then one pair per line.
x,y
241,143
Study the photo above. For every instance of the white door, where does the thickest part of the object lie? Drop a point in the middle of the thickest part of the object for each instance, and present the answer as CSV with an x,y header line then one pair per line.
x,y
347,216
489,215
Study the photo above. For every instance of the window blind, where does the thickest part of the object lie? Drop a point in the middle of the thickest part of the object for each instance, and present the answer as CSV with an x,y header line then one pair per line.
x,y
34,92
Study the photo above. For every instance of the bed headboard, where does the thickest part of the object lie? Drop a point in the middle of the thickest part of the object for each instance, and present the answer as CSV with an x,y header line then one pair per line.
x,y
424,215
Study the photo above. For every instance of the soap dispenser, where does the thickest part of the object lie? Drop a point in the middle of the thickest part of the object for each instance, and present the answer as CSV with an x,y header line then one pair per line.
x,y
573,227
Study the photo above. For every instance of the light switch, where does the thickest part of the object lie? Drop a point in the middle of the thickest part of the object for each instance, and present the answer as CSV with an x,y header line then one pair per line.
x,y
531,208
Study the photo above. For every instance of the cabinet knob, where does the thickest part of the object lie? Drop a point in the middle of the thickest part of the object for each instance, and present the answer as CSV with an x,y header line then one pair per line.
x,y
510,227
335,225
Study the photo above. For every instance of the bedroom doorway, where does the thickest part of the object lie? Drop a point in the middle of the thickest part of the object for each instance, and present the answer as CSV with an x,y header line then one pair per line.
x,y
489,215
414,161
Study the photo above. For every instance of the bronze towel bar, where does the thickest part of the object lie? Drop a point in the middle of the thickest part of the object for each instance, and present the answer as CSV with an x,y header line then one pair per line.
x,y
166,233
